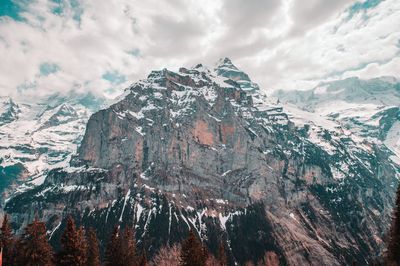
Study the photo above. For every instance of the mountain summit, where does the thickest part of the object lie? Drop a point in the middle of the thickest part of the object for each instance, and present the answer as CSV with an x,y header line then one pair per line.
x,y
206,150
227,69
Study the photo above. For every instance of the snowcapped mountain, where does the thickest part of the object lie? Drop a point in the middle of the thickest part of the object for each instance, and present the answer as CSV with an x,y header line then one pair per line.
x,y
8,110
225,68
367,109
206,149
36,136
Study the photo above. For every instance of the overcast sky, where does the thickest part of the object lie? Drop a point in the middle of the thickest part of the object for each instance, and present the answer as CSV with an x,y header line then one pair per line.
x,y
104,45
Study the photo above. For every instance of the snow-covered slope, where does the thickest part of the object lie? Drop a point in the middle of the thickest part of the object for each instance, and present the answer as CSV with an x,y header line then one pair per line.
x,y
369,109
40,135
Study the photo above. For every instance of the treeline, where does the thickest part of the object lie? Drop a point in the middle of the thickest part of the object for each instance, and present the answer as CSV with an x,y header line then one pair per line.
x,y
80,247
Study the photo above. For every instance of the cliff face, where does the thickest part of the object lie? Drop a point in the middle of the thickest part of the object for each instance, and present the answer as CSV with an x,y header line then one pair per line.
x,y
207,150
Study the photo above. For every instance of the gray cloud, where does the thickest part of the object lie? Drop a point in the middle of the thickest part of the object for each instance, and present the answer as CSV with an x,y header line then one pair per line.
x,y
280,43
244,16
173,36
308,15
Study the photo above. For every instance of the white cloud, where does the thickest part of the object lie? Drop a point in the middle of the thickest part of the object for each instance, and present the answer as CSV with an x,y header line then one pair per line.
x,y
281,44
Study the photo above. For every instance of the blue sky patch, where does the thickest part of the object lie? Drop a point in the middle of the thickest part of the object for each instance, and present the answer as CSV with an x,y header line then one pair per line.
x,y
60,5
362,6
11,8
48,68
114,77
77,9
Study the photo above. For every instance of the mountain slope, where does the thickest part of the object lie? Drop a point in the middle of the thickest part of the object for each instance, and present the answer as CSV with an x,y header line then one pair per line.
x,y
194,149
40,135
366,108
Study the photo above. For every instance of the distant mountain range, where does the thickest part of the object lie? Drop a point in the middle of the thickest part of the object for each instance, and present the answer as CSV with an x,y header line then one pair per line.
x,y
39,135
369,109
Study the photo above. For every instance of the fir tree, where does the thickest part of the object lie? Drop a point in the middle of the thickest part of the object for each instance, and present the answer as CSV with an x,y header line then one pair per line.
x,y
114,252
7,241
82,246
33,248
212,260
394,242
167,256
192,252
222,258
93,253
143,259
129,247
73,245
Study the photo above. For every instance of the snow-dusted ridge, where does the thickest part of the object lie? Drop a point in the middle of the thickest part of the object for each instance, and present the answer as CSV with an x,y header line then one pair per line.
x,y
42,134
368,110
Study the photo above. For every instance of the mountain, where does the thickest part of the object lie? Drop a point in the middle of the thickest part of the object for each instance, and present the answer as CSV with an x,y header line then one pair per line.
x,y
225,68
366,108
206,149
39,135
8,110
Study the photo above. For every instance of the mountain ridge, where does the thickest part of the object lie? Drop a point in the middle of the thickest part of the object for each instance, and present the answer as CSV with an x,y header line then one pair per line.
x,y
367,108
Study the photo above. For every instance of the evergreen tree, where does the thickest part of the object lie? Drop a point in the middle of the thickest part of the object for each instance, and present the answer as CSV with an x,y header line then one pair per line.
x,y
394,242
167,256
114,252
222,258
33,248
82,246
7,241
129,248
192,252
73,245
212,260
93,253
143,259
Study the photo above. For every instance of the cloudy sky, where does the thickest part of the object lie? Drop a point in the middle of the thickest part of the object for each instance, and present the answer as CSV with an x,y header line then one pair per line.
x,y
48,46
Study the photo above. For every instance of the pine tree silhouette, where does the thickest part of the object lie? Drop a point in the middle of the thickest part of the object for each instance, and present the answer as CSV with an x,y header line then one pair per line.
x,y
33,248
93,253
167,256
394,242
143,259
129,248
192,253
222,258
82,246
114,253
73,245
7,241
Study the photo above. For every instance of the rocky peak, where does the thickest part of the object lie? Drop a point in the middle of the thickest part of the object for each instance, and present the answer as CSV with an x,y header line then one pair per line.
x,y
60,115
225,63
226,68
9,110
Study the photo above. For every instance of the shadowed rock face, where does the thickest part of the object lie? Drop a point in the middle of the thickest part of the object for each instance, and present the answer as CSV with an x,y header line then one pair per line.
x,y
198,149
